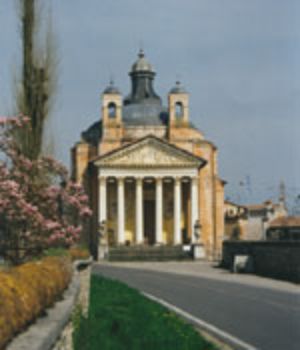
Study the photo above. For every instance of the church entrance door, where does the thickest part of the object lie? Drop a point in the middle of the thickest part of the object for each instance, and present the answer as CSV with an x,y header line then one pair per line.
x,y
149,221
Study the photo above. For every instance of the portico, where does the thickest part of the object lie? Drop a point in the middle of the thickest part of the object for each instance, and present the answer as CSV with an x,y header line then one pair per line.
x,y
153,198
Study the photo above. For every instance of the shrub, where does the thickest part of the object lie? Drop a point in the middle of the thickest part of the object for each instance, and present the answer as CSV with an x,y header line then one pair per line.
x,y
56,252
77,253
27,290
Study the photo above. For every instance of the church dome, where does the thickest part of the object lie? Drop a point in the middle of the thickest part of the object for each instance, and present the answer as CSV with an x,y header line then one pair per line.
x,y
142,64
143,106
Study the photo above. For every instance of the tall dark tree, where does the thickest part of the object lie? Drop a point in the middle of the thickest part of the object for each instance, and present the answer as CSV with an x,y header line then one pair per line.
x,y
37,80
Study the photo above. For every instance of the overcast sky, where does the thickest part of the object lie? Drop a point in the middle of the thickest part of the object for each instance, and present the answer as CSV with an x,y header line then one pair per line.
x,y
238,59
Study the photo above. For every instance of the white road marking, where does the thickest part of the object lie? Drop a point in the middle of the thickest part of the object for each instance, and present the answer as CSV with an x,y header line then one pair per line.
x,y
203,324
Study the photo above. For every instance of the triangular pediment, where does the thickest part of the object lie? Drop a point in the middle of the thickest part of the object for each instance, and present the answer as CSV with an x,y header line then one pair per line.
x,y
149,152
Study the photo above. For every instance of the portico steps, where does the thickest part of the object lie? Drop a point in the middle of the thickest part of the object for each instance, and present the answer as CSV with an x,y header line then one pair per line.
x,y
148,253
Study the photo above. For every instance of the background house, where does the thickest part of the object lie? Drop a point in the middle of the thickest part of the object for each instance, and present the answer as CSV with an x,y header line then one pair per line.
x,y
284,228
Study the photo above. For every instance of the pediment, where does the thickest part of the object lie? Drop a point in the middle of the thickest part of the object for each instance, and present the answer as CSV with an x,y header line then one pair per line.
x,y
149,152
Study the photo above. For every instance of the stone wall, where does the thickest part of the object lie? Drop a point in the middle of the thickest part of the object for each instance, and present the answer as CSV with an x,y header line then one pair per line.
x,y
65,341
280,260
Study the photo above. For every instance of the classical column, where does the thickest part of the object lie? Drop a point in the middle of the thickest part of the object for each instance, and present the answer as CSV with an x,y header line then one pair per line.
x,y
121,211
194,206
159,211
177,211
139,211
102,201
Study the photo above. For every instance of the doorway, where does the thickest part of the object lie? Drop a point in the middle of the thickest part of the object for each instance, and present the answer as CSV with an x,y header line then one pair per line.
x,y
149,221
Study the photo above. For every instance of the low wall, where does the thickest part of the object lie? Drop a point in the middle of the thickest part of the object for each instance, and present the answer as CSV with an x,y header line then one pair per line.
x,y
280,260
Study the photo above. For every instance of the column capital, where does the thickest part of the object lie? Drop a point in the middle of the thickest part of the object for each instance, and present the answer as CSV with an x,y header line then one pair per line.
x,y
121,179
159,179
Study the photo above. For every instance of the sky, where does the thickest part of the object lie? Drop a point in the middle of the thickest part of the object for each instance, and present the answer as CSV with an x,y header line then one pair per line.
x,y
238,59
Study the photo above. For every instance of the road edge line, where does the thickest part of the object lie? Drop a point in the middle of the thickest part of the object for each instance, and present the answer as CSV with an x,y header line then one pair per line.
x,y
202,324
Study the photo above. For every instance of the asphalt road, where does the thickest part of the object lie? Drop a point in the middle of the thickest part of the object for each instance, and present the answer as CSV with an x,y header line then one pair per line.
x,y
268,319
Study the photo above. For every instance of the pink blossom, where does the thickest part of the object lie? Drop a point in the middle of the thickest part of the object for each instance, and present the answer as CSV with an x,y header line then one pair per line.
x,y
29,200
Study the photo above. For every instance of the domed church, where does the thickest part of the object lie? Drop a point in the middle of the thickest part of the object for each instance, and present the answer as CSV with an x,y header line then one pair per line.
x,y
151,175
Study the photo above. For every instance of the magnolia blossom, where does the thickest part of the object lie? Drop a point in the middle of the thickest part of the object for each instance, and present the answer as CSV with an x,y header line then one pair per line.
x,y
38,201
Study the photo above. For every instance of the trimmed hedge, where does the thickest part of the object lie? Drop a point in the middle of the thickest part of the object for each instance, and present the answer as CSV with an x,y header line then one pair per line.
x,y
74,253
78,253
27,290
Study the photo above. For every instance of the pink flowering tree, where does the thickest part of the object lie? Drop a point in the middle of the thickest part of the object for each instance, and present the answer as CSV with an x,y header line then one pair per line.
x,y
40,207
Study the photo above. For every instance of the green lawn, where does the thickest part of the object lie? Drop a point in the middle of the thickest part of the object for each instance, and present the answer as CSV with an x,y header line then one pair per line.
x,y
121,318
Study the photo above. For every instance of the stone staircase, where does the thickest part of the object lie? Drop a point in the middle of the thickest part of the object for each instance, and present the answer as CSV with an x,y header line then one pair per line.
x,y
148,253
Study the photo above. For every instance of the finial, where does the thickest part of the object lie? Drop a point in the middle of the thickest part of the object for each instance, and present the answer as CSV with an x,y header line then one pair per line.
x,y
111,80
141,53
111,88
178,88
141,49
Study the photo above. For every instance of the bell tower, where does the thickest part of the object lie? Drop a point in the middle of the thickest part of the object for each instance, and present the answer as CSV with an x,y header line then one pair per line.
x,y
111,106
112,125
178,106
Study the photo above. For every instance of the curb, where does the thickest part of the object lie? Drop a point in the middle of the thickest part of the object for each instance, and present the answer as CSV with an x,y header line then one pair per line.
x,y
45,331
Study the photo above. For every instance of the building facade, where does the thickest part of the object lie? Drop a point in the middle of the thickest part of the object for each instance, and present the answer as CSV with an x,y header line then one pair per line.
x,y
236,219
284,228
251,222
260,216
151,175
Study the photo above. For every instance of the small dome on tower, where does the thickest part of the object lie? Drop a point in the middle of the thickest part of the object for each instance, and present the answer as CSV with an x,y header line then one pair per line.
x,y
111,89
141,65
178,89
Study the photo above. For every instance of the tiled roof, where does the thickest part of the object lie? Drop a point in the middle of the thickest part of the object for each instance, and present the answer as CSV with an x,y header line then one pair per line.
x,y
256,206
261,206
286,221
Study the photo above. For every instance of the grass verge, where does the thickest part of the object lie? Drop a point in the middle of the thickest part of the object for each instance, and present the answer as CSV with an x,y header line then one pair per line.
x,y
121,318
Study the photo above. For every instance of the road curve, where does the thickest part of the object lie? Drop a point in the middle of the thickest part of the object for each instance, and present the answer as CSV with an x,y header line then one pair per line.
x,y
268,319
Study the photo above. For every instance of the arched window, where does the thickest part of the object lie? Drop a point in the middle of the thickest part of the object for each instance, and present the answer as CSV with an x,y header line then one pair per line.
x,y
178,110
112,110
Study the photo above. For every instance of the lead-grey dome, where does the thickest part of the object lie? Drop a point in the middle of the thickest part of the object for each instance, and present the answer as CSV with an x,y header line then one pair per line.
x,y
143,106
142,64
144,114
111,88
178,89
